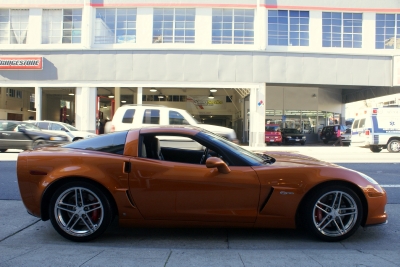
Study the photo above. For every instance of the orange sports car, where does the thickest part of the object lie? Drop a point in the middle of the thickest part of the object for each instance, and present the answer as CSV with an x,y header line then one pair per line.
x,y
187,177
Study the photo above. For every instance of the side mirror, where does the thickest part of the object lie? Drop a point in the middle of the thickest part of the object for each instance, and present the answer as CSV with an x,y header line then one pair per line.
x,y
64,129
214,162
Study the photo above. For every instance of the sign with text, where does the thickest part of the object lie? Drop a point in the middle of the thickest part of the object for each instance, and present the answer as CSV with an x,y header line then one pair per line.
x,y
21,63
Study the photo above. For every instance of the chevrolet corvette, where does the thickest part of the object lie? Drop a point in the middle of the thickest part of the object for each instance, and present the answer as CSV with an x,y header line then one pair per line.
x,y
184,176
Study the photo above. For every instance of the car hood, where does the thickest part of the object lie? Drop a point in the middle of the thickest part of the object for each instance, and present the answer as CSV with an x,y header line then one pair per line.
x,y
290,159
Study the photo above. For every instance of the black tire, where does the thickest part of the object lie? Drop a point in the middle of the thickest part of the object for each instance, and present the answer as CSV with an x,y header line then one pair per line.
x,y
394,146
375,149
303,143
3,150
38,143
82,221
323,218
325,141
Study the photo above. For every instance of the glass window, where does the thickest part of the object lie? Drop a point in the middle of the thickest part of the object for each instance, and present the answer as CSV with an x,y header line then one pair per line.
x,y
61,26
176,118
174,25
387,31
110,143
43,125
115,25
288,28
233,26
151,116
13,26
341,29
128,116
56,127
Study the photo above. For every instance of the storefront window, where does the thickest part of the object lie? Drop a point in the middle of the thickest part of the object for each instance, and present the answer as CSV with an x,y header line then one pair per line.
x,y
13,26
61,26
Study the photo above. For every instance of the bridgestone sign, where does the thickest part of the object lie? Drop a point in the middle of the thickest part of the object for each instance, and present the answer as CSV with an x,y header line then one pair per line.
x,y
21,63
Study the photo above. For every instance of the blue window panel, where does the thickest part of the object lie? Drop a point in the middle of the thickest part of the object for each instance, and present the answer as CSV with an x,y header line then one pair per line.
x,y
357,16
217,19
379,45
294,20
249,34
272,20
326,22
390,23
347,15
380,17
295,42
337,37
326,43
357,45
347,29
380,38
249,26
348,44
336,43
380,23
282,27
357,23
273,13
239,18
326,15
337,15
336,22
238,26
283,20
227,26
275,33
336,29
304,28
272,41
304,35
226,33
304,21
293,35
357,37
283,42
390,31
380,30
304,42
294,28
357,30
294,13
238,33
282,13
326,28
326,36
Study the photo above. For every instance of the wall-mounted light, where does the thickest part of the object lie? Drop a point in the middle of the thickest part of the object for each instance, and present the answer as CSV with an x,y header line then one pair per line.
x,y
153,89
110,96
211,96
71,92
123,101
213,90
160,95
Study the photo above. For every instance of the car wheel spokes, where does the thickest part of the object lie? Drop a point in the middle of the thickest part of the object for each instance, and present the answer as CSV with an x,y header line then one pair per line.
x,y
78,211
335,213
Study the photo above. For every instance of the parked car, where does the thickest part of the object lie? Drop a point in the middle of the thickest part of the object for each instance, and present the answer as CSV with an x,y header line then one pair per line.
x,y
66,129
328,134
24,135
273,134
136,116
83,185
293,136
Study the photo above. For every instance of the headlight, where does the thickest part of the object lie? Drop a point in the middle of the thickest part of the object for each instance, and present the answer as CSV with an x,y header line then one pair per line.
x,y
288,136
369,179
57,138
303,137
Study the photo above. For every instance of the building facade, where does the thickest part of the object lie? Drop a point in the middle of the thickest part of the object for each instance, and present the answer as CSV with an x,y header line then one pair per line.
x,y
269,60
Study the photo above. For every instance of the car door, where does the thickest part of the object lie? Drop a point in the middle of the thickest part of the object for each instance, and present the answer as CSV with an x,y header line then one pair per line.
x,y
11,138
164,190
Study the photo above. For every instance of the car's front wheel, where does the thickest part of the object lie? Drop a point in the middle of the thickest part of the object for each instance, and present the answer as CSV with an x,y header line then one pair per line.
x,y
394,146
38,143
375,149
80,211
333,213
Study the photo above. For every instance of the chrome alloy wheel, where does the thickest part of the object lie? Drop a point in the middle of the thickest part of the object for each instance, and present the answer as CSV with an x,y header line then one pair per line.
x,y
335,214
78,211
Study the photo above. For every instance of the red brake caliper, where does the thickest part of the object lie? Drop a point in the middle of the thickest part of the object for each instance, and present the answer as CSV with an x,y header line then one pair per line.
x,y
95,214
318,215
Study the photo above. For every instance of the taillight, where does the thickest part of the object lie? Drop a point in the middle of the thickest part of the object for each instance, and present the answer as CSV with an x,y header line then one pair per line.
x,y
366,132
112,129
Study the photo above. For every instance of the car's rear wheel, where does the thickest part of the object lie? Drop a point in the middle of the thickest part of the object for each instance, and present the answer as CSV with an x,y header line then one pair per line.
x,y
3,150
80,211
394,146
375,149
333,213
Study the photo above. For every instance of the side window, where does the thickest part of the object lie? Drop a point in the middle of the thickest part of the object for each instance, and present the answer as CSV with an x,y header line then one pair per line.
x,y
128,116
55,127
113,143
176,118
43,125
11,126
362,123
151,116
355,125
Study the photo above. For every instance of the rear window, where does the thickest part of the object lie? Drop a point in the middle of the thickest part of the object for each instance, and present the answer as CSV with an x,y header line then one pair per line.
x,y
269,128
128,116
43,125
362,123
110,143
176,118
151,116
355,124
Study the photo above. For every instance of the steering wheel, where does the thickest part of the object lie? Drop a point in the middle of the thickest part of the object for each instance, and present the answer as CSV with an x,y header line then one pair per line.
x,y
204,156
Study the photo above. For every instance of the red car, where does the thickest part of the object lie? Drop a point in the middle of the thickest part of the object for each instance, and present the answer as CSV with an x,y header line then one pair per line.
x,y
273,134
143,178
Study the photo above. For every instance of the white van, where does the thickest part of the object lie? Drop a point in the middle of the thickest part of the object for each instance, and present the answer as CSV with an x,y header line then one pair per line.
x,y
377,128
133,116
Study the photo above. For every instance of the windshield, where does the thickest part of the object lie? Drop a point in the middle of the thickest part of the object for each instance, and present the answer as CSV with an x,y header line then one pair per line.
x,y
254,159
69,127
291,131
272,128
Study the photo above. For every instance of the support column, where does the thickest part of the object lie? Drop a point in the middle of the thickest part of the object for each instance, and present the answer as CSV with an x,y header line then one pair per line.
x,y
257,116
85,108
3,98
117,91
343,115
139,95
38,103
